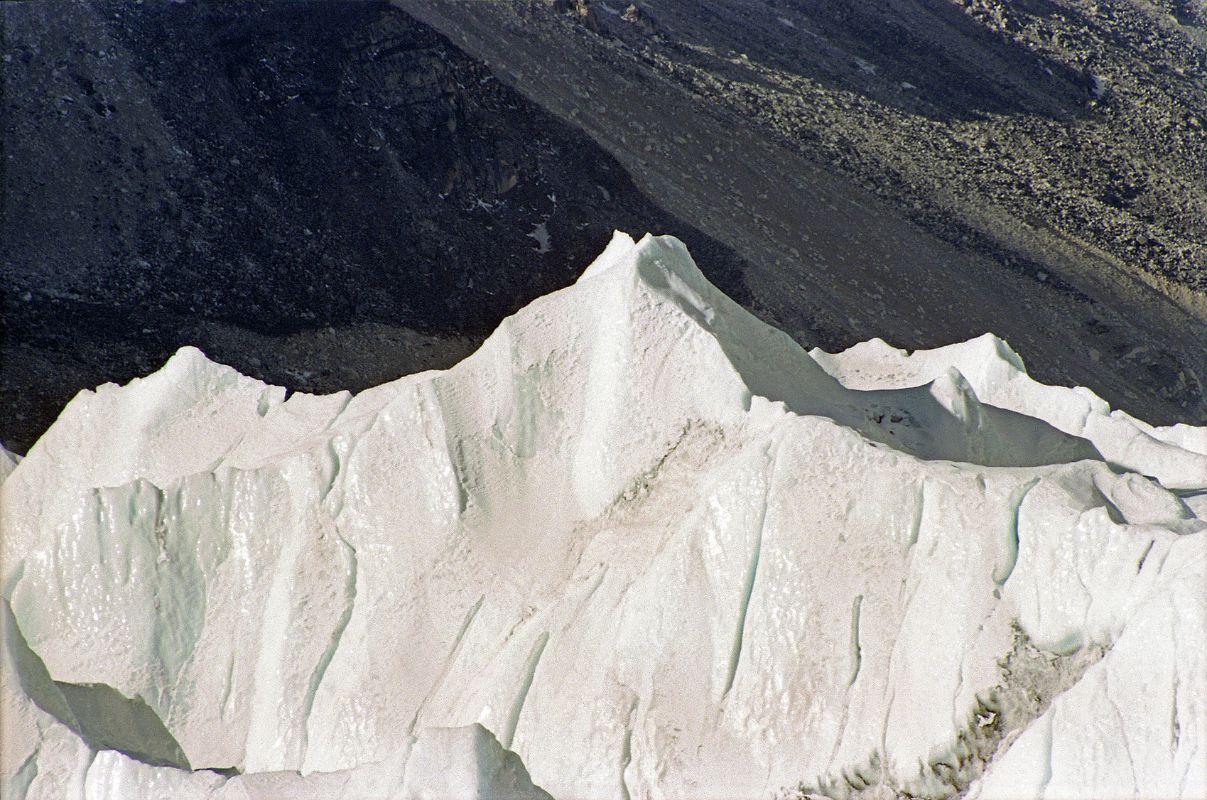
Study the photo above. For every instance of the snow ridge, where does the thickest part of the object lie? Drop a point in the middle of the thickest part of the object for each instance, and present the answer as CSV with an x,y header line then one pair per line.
x,y
647,540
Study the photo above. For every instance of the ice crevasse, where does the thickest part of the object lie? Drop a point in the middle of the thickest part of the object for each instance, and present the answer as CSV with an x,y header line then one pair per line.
x,y
639,540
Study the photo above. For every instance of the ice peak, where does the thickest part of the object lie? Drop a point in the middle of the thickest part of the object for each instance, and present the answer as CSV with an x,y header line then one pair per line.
x,y
192,372
663,265
953,393
620,246
649,256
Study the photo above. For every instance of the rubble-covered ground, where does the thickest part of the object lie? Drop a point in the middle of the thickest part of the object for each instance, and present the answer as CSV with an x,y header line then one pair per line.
x,y
926,170
324,195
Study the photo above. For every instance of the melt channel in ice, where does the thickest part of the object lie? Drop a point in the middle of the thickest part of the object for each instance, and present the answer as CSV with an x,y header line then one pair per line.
x,y
640,540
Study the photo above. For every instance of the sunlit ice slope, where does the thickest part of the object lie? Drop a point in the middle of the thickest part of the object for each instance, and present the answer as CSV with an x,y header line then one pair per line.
x,y
640,539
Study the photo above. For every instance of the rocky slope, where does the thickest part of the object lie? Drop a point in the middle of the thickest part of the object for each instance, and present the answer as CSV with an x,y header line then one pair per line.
x,y
925,169
324,195
330,195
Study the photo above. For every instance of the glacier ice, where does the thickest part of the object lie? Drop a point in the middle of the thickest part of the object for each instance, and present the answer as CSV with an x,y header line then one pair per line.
x,y
55,747
640,540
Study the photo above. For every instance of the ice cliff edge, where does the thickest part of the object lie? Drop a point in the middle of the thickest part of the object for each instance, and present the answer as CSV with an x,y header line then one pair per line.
x,y
643,539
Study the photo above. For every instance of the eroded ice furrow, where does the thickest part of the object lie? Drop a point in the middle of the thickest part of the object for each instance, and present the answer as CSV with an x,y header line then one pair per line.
x,y
751,575
448,663
648,541
527,677
1002,573
320,669
856,650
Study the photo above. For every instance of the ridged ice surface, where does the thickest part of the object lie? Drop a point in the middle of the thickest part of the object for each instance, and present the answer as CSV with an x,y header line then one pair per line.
x,y
646,541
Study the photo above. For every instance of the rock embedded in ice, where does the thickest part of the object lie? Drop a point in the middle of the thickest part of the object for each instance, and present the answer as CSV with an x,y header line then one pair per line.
x,y
645,540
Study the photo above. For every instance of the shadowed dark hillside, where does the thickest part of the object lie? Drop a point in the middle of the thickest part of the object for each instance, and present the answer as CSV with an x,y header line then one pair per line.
x,y
330,194
245,176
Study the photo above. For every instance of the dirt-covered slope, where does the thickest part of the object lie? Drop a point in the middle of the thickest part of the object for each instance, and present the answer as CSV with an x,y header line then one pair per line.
x,y
925,169
328,195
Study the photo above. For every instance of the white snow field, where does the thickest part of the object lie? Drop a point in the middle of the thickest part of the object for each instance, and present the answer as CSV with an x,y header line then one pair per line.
x,y
643,539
